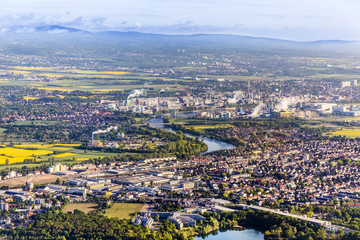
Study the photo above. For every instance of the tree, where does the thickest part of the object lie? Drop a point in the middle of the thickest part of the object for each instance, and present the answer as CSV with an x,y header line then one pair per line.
x,y
321,233
290,232
58,181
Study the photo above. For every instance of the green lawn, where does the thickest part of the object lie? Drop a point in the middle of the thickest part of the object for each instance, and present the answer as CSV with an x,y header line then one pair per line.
x,y
123,210
2,167
140,120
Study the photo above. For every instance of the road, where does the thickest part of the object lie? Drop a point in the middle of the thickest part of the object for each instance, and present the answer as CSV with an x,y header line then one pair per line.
x,y
155,124
315,221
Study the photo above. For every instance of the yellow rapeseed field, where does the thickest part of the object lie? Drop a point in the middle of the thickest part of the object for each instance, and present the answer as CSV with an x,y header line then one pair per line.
x,y
68,145
42,146
114,73
16,152
199,127
348,132
85,87
15,155
78,71
20,72
30,98
40,152
31,68
63,155
12,160
50,75
50,147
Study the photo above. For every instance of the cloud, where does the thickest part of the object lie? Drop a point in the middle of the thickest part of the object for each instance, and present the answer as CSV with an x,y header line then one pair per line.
x,y
296,17
28,22
188,27
305,27
57,31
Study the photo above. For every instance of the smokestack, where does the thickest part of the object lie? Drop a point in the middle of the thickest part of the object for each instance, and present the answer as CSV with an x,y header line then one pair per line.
x,y
285,102
136,93
257,110
102,131
264,101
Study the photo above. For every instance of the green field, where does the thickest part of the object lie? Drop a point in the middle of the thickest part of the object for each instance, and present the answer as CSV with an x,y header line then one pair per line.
x,y
34,123
2,167
123,210
140,120
68,80
337,76
352,118
84,207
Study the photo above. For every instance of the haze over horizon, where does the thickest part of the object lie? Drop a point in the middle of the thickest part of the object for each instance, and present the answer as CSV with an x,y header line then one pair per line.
x,y
291,20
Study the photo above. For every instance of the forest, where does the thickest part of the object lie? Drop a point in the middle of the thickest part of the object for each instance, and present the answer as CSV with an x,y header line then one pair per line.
x,y
58,225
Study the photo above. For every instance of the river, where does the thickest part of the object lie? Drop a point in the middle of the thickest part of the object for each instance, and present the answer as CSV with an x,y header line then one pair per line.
x,y
247,234
213,145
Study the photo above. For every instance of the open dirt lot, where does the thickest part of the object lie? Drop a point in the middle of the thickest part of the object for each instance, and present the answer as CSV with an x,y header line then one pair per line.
x,y
38,179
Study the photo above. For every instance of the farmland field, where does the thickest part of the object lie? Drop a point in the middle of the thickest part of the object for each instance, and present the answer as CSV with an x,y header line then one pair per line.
x,y
36,123
2,167
30,98
354,132
200,127
68,80
39,152
84,207
123,210
352,118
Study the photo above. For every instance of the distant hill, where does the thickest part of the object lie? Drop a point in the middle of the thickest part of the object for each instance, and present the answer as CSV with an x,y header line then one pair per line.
x,y
47,39
57,29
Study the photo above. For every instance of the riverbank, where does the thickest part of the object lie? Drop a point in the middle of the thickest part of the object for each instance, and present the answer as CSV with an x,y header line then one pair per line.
x,y
212,143
236,232
267,224
246,234
231,141
203,231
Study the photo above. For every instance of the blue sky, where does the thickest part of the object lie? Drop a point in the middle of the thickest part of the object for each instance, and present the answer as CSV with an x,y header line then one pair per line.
x,y
286,19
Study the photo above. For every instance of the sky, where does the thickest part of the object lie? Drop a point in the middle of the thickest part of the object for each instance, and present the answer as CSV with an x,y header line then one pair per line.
x,y
301,20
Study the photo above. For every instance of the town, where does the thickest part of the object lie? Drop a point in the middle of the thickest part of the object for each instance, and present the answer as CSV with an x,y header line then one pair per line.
x,y
176,146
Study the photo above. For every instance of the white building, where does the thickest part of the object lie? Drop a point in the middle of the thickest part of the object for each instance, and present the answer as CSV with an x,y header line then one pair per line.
x,y
57,168
11,174
322,108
